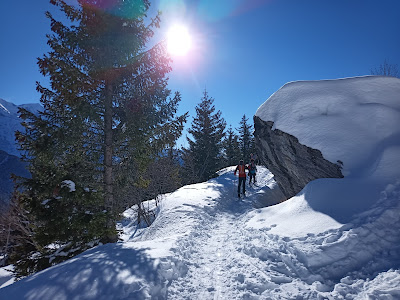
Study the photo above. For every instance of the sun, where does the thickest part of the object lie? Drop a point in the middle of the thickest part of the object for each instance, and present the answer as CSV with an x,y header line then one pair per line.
x,y
179,40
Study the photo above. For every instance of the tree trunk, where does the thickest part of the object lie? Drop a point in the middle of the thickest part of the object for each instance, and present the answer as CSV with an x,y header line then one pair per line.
x,y
108,166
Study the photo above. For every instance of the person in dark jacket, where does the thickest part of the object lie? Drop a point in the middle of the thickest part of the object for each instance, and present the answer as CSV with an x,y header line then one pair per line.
x,y
252,171
241,169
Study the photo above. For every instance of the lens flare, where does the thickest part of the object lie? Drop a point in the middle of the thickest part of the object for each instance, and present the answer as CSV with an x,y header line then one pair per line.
x,y
179,40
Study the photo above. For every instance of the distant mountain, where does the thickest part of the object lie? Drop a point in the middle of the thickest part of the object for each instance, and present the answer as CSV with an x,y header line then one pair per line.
x,y
10,162
10,122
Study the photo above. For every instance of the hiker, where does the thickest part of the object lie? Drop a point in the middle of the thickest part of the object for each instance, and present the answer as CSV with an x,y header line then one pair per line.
x,y
241,168
252,171
255,157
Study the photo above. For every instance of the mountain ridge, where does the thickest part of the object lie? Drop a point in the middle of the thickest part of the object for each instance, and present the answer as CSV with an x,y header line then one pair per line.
x,y
10,162
10,122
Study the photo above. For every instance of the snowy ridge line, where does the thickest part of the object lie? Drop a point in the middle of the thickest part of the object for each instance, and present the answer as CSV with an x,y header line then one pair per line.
x,y
4,109
353,78
10,122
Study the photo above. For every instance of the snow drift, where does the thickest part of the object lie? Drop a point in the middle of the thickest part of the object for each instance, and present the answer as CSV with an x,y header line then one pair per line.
x,y
355,120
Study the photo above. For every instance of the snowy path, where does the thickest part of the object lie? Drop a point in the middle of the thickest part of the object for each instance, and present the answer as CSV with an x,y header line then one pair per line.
x,y
223,255
208,256
211,254
231,262
225,258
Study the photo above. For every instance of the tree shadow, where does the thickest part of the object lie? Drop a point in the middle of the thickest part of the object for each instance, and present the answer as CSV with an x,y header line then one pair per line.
x,y
111,271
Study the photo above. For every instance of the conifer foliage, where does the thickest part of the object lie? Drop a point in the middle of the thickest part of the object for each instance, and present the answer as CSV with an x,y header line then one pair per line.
x,y
204,155
231,148
246,138
107,106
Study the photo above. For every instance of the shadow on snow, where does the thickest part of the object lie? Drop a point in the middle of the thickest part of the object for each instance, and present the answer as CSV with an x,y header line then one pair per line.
x,y
110,271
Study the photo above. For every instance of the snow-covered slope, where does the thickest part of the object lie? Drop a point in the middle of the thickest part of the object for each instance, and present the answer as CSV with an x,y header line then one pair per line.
x,y
207,244
10,122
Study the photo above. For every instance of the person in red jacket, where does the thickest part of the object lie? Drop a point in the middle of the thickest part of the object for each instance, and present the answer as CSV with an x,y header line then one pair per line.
x,y
241,168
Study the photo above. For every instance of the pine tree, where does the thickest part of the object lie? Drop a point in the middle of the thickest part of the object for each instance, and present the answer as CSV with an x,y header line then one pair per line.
x,y
204,155
231,147
246,138
108,106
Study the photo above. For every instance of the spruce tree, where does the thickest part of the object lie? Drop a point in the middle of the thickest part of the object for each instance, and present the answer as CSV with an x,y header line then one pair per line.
x,y
246,138
231,147
108,105
204,155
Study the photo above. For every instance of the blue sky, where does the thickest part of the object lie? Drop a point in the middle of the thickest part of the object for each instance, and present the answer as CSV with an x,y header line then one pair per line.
x,y
244,50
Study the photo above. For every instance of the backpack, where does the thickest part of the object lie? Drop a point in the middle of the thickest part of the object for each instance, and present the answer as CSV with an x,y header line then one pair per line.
x,y
252,168
241,169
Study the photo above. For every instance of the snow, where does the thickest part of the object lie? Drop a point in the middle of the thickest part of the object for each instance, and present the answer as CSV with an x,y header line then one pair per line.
x,y
69,184
207,244
350,119
6,277
336,239
10,122
4,109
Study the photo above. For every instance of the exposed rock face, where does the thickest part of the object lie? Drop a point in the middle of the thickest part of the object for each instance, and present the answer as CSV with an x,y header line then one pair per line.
x,y
293,164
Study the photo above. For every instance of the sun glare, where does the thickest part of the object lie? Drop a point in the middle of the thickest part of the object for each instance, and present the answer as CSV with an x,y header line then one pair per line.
x,y
179,41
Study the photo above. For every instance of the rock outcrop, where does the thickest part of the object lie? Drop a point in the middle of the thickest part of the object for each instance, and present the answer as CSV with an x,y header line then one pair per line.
x,y
293,164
